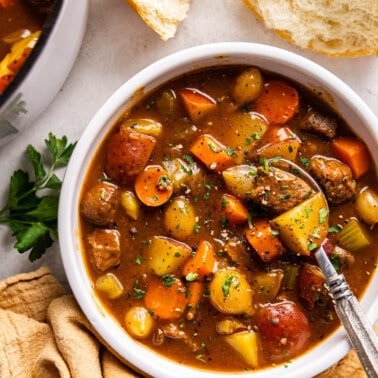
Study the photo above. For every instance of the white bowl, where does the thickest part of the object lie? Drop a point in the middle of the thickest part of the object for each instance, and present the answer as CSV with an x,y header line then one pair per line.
x,y
46,69
314,77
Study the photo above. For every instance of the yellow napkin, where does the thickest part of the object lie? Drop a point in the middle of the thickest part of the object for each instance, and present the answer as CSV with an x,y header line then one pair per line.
x,y
44,334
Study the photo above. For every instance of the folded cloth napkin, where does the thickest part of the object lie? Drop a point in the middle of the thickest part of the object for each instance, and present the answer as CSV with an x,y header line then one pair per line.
x,y
43,333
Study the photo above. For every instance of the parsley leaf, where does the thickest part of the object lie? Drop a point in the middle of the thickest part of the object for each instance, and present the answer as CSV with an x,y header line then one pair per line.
x,y
33,218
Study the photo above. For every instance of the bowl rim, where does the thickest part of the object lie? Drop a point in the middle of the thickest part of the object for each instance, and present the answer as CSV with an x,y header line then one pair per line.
x,y
47,29
332,349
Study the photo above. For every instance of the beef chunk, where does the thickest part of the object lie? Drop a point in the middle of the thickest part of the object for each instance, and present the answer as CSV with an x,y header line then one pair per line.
x,y
278,190
318,123
334,177
344,258
99,203
105,251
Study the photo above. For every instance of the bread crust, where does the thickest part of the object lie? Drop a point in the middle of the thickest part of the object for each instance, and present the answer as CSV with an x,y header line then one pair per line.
x,y
337,28
162,16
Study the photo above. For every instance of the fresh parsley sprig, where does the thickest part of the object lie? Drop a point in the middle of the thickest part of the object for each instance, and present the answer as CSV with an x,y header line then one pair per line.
x,y
31,211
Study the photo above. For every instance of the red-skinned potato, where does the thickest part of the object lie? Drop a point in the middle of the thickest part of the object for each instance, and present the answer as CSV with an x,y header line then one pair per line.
x,y
284,330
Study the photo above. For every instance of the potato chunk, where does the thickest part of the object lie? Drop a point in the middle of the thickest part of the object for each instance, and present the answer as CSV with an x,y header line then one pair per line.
x,y
165,255
246,344
230,292
304,227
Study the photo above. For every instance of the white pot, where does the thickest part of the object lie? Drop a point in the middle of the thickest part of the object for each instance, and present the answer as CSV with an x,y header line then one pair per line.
x,y
46,69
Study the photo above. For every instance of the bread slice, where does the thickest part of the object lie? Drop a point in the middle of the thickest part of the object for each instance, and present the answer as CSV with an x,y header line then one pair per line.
x,y
162,16
338,28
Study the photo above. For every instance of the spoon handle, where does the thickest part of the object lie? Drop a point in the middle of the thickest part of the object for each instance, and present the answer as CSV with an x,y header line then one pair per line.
x,y
356,324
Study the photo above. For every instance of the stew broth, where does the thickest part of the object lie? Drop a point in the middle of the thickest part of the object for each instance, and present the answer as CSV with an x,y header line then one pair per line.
x,y
239,128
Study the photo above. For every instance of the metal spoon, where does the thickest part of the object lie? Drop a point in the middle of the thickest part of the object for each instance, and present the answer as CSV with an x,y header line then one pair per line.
x,y
359,330
355,322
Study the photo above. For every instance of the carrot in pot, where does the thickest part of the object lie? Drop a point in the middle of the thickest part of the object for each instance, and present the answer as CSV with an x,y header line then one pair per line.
x,y
196,103
211,153
278,102
353,153
201,263
4,81
233,209
153,186
264,240
165,297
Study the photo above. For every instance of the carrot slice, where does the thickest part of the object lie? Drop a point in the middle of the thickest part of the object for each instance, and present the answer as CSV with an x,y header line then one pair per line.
x,y
354,153
166,298
4,81
195,290
201,263
212,153
196,103
153,186
264,241
233,209
278,103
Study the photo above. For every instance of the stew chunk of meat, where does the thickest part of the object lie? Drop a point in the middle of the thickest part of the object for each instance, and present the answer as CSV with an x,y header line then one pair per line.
x,y
334,177
318,123
99,203
128,152
278,190
105,248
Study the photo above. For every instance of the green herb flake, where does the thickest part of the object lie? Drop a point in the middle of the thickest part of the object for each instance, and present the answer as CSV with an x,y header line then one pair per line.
x,y
334,229
312,246
190,277
335,261
167,280
139,293
306,162
323,214
139,260
227,284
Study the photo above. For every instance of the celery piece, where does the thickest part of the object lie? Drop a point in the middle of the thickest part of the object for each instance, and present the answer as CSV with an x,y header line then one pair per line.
x,y
353,236
290,275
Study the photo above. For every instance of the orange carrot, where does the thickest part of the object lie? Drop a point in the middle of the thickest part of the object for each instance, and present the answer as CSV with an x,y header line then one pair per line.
x,y
166,298
354,153
264,241
233,209
212,153
195,290
4,81
277,134
196,103
286,149
201,263
278,103
153,186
